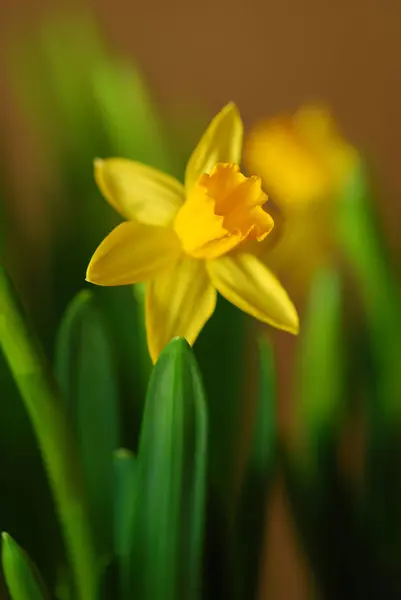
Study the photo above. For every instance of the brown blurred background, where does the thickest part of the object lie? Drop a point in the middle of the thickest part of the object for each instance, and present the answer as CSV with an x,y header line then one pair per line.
x,y
268,57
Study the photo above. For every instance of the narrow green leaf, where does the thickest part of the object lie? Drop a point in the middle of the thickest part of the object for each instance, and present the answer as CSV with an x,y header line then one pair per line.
x,y
377,362
22,578
125,478
221,351
53,432
264,439
361,241
169,506
86,374
320,406
52,67
251,519
185,128
131,119
319,503
124,311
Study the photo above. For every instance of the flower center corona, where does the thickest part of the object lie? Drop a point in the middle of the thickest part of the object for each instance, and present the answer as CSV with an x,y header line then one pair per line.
x,y
222,210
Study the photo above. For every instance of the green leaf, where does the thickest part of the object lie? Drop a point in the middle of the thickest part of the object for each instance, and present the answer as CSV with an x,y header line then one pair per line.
x,y
167,535
86,375
52,429
125,479
320,406
263,446
124,311
130,117
376,283
22,577
260,469
378,364
319,503
221,351
52,68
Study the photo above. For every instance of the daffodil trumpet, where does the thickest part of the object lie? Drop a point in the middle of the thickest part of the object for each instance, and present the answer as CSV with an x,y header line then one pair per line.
x,y
188,242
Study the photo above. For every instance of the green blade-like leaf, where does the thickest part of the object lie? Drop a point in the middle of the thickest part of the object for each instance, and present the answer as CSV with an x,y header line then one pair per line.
x,y
124,311
53,432
220,351
51,68
86,374
377,362
319,504
168,522
125,478
222,354
361,241
259,472
319,386
22,578
264,438
130,118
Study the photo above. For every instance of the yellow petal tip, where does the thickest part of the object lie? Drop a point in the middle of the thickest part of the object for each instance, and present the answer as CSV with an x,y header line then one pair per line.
x,y
231,104
97,166
231,107
88,277
292,324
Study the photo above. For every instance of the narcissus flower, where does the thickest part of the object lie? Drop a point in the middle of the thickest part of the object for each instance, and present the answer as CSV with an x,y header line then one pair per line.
x,y
305,164
189,241
301,158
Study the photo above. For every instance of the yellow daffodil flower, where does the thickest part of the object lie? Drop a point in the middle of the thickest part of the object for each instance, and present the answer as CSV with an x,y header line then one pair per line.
x,y
189,241
304,163
301,158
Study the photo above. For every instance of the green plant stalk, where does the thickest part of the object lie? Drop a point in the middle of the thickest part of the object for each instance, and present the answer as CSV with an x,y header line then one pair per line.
x,y
54,437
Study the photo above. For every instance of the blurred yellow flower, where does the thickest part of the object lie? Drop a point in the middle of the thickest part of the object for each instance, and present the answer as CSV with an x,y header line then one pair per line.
x,y
304,163
187,242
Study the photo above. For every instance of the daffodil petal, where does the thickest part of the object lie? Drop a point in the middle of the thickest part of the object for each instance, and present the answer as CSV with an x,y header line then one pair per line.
x,y
221,143
178,303
139,192
246,282
132,253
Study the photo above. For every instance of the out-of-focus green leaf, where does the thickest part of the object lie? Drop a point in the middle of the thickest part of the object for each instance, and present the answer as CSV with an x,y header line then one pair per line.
x,y
379,374
320,506
264,438
166,542
64,588
259,471
125,471
221,351
123,309
33,523
53,432
319,408
86,374
51,66
22,578
134,127
185,128
361,241
52,70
